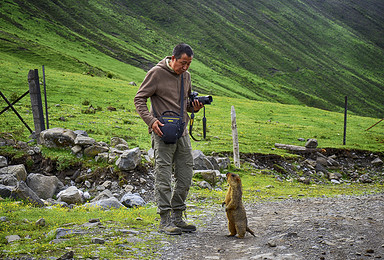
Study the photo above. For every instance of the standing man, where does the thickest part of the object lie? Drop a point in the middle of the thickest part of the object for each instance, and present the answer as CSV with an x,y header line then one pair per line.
x,y
162,85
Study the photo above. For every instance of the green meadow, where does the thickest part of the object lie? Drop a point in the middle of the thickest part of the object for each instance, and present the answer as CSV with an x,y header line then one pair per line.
x,y
70,96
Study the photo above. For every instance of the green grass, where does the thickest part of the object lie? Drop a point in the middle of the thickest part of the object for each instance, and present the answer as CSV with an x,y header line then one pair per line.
x,y
260,124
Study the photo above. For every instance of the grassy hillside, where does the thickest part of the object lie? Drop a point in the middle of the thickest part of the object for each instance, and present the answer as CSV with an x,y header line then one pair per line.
x,y
312,53
272,61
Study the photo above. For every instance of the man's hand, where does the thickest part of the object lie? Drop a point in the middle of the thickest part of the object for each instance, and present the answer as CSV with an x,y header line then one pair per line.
x,y
156,128
197,105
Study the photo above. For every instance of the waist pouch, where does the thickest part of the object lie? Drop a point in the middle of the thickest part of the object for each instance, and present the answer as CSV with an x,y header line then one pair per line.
x,y
173,127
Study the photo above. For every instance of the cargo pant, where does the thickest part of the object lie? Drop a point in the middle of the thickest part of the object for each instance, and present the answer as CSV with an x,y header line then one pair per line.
x,y
177,159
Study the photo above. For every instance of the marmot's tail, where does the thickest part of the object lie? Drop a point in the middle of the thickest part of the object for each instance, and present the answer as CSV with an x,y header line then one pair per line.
x,y
250,231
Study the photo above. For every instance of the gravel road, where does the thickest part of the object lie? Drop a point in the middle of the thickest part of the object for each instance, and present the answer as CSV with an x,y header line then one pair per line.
x,y
343,227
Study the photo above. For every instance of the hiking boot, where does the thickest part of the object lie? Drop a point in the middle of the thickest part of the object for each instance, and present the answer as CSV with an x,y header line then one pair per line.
x,y
166,226
177,219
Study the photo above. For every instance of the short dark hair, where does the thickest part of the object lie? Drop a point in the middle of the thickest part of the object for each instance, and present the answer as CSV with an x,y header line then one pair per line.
x,y
180,49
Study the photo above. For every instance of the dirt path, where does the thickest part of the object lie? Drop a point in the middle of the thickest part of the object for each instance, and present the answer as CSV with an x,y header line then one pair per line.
x,y
344,227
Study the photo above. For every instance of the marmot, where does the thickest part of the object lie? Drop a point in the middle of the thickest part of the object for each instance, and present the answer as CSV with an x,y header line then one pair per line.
x,y
237,218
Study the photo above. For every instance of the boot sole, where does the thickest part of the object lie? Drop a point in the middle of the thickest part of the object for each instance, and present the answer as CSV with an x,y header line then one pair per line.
x,y
170,233
187,230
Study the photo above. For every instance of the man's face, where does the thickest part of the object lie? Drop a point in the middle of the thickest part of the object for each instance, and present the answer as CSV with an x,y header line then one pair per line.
x,y
181,65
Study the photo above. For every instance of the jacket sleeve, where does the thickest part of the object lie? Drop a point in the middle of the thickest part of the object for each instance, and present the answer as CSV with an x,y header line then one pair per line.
x,y
146,90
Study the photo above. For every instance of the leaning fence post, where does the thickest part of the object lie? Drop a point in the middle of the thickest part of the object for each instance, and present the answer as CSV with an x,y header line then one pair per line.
x,y
236,156
36,102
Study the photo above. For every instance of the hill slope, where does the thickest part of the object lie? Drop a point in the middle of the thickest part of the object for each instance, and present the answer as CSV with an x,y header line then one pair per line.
x,y
312,53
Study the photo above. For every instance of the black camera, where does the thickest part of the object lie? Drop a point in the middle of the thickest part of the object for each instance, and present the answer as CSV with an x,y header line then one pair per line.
x,y
206,100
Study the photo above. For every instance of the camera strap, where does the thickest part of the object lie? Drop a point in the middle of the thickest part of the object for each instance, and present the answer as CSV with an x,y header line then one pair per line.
x,y
204,126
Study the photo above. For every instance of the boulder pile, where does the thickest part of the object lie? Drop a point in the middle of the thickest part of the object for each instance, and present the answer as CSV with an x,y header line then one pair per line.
x,y
105,188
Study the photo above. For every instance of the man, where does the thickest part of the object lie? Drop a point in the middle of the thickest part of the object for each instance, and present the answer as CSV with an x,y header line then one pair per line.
x,y
162,85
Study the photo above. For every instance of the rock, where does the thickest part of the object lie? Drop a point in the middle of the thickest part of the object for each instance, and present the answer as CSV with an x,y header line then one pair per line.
x,y
205,185
71,195
106,203
200,162
210,176
94,150
8,180
18,171
365,178
223,162
117,140
334,176
67,256
12,238
44,186
3,161
40,222
61,232
84,140
57,137
97,240
105,194
76,149
311,143
377,161
80,132
132,200
23,192
129,160
122,147
5,191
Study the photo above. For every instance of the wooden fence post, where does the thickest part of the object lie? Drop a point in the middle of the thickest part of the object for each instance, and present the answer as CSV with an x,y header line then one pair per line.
x,y
36,102
236,156
345,119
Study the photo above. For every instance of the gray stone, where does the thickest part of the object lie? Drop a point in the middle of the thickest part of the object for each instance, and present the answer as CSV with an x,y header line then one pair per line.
x,y
97,240
132,200
8,180
23,192
3,161
211,176
200,161
106,203
105,194
223,162
94,150
44,186
122,147
377,161
12,238
311,143
81,132
16,170
5,191
76,149
57,137
71,195
129,160
117,140
84,140
40,222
